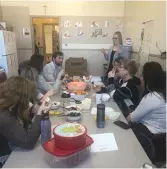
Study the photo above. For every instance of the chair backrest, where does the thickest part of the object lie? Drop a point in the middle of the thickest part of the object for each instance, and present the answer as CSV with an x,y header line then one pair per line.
x,y
159,141
76,66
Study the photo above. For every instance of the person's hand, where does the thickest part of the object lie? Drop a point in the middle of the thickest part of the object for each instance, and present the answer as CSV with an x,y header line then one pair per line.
x,y
111,73
60,74
47,95
44,107
97,88
103,51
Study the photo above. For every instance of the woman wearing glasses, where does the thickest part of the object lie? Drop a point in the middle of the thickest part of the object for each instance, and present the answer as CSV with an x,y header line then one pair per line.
x,y
115,51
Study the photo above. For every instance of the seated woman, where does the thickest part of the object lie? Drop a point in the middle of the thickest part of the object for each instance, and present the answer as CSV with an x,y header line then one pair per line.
x,y
32,71
16,127
150,69
149,117
127,83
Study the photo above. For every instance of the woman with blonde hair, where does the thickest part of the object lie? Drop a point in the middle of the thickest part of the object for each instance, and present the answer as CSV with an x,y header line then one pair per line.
x,y
116,50
16,126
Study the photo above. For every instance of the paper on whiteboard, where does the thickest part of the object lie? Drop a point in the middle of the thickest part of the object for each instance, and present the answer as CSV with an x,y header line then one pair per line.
x,y
103,142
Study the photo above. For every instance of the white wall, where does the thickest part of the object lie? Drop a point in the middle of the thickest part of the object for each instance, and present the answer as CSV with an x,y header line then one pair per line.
x,y
110,8
137,12
140,11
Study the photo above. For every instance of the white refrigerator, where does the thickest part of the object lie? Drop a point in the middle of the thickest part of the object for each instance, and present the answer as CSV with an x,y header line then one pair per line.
x,y
8,53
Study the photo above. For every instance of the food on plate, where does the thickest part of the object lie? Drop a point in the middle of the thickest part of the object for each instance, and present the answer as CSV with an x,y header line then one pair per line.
x,y
80,92
53,113
70,108
74,114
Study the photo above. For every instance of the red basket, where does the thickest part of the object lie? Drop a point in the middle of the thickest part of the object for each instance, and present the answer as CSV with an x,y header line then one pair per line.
x,y
50,147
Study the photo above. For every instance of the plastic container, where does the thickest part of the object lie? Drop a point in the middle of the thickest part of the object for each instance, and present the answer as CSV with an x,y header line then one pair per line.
x,y
60,158
69,142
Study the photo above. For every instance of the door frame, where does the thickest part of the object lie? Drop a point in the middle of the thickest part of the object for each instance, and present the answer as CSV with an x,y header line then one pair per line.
x,y
43,34
44,16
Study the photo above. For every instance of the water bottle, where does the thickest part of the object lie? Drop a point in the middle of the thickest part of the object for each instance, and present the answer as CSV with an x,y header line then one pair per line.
x,y
100,120
45,128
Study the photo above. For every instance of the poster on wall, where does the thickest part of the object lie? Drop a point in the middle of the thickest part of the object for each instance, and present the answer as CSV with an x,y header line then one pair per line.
x,y
105,35
79,24
67,24
26,32
94,24
146,40
80,33
119,24
107,24
66,35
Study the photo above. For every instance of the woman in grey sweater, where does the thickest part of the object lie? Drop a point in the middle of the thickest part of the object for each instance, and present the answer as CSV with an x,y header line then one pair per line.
x,y
32,71
16,127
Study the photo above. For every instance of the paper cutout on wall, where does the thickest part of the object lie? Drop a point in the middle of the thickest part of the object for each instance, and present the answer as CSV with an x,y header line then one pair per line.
x,y
96,33
107,24
119,24
66,35
94,24
80,33
128,42
92,35
67,24
79,24
105,35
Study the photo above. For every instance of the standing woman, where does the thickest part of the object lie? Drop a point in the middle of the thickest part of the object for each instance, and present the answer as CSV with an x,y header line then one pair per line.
x,y
115,51
35,67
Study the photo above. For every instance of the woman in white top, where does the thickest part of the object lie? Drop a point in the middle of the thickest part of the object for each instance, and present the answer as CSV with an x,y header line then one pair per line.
x,y
150,115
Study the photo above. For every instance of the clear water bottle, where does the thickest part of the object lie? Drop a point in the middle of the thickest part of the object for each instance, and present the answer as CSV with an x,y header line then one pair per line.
x,y
100,120
45,128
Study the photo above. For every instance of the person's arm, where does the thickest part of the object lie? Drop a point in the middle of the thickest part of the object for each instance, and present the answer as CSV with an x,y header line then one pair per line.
x,y
111,80
15,133
122,92
48,73
146,105
107,55
42,84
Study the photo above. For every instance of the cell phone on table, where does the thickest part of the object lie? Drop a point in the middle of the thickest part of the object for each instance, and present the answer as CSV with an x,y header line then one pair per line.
x,y
122,124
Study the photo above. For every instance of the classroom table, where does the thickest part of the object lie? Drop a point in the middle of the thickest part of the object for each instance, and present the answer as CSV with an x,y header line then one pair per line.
x,y
130,154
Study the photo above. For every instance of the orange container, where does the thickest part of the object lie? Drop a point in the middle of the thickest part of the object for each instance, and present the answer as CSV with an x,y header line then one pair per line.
x,y
77,86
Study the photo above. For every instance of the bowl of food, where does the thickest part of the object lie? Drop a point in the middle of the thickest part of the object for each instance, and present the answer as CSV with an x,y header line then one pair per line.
x,y
72,108
79,95
74,116
55,105
77,86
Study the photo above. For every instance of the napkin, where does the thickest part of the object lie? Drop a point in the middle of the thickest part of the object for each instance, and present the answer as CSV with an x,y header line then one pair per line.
x,y
109,112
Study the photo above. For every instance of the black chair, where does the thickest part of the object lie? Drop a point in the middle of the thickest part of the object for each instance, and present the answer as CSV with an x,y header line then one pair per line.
x,y
154,147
